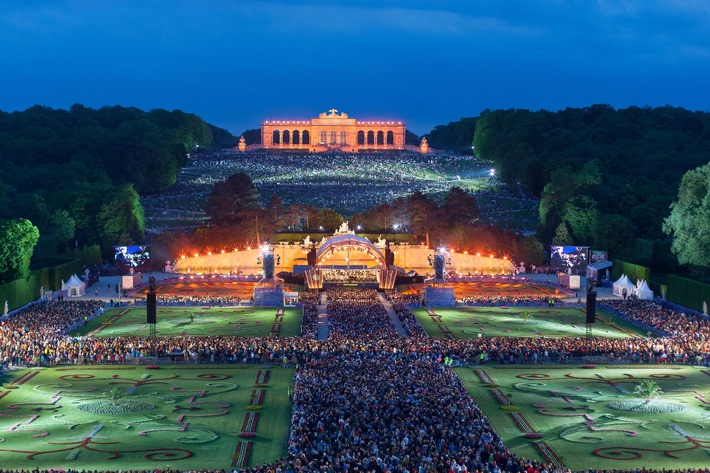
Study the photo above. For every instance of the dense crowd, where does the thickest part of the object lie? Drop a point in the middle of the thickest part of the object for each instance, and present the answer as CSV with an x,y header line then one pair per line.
x,y
511,300
346,183
357,313
367,399
309,320
176,299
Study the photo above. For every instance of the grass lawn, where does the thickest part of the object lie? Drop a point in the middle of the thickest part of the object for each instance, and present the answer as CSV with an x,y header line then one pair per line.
x,y
196,321
188,418
468,322
590,418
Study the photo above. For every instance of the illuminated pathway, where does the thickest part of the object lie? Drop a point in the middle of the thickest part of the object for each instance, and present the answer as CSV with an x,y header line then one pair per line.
x,y
323,328
393,315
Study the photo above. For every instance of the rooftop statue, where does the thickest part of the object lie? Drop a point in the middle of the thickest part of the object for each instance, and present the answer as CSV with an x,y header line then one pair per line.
x,y
333,113
344,228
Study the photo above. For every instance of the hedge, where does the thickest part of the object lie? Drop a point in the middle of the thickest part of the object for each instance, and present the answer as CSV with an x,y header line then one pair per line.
x,y
687,292
635,272
21,291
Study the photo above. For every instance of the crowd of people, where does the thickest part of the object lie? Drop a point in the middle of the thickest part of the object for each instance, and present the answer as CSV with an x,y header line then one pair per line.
x,y
356,313
346,183
499,300
190,300
367,399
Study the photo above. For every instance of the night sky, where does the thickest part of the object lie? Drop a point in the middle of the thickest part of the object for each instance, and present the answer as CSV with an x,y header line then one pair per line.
x,y
235,63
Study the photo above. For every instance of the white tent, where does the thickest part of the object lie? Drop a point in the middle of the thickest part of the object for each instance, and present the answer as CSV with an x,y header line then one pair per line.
x,y
642,290
623,283
74,286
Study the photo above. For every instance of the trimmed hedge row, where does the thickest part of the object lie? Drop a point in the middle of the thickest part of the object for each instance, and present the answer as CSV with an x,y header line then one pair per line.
x,y
687,292
22,291
635,272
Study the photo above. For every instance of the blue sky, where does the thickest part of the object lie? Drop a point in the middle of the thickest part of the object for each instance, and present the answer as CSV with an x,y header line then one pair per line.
x,y
235,63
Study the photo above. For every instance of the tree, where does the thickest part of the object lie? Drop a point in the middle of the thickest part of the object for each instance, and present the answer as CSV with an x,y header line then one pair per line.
x,y
276,214
648,389
423,213
689,221
459,207
62,225
581,216
230,198
562,235
17,242
613,233
121,220
115,395
526,316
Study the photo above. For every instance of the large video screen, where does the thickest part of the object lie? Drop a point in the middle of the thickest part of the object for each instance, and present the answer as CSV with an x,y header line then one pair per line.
x,y
566,258
131,255
598,255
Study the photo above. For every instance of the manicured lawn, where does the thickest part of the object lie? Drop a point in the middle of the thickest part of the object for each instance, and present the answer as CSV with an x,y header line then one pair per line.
x,y
468,322
588,417
196,321
187,417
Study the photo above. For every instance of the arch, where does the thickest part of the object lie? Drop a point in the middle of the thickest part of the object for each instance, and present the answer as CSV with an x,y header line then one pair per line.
x,y
352,242
380,137
306,137
286,137
323,137
390,137
343,138
296,137
370,137
361,137
277,137
333,137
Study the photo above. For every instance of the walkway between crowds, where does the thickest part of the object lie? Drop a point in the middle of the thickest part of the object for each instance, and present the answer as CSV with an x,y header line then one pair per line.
x,y
323,327
393,315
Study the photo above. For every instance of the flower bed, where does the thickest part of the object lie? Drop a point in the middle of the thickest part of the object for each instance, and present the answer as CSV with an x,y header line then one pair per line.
x,y
262,377
110,408
521,423
257,397
548,454
500,396
250,421
643,407
241,454
483,376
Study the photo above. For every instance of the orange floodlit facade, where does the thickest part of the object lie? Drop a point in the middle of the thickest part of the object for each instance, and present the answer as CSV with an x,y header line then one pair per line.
x,y
333,131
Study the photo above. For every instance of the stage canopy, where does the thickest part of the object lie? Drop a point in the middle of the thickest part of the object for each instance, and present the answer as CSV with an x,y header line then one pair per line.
x,y
349,242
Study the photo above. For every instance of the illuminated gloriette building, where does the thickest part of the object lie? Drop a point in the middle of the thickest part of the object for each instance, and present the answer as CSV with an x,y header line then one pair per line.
x,y
331,131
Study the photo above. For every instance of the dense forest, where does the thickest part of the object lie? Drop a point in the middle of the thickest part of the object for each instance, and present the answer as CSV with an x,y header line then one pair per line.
x,y
604,177
76,174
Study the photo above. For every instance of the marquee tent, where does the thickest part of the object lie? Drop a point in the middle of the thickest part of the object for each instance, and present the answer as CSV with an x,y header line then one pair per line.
x,y
642,290
75,287
623,283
